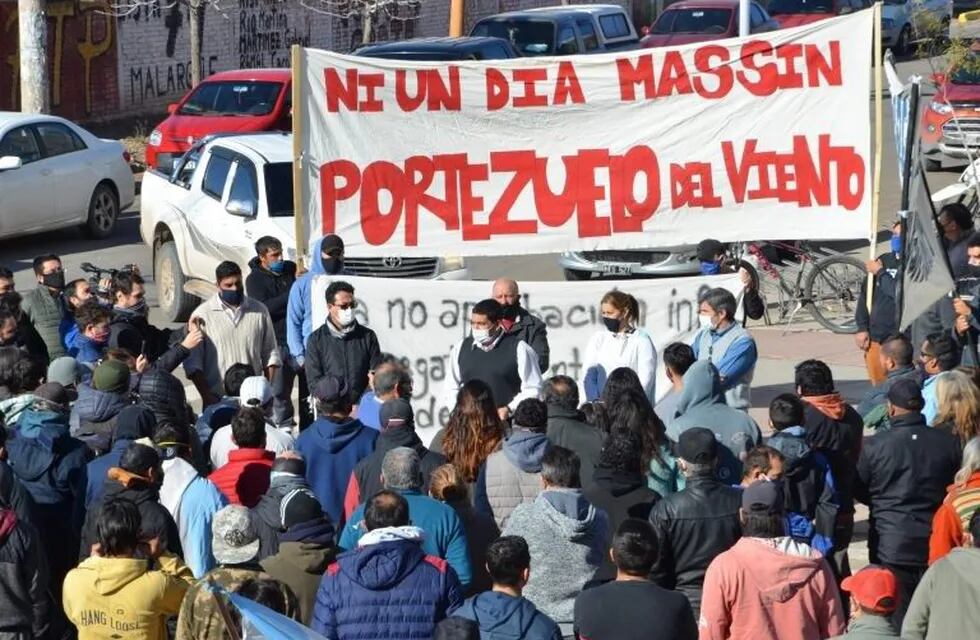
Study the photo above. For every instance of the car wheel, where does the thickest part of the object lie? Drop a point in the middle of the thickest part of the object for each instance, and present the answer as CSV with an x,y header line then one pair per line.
x,y
175,304
573,274
902,45
932,164
103,211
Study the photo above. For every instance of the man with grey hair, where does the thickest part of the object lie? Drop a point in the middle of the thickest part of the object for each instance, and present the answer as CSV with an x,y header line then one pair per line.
x,y
697,523
725,343
387,381
520,322
401,472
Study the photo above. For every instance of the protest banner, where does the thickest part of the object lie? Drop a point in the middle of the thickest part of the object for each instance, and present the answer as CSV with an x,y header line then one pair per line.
x,y
764,137
420,320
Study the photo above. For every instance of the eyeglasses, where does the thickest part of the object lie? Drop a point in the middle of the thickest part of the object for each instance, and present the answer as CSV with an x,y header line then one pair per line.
x,y
349,305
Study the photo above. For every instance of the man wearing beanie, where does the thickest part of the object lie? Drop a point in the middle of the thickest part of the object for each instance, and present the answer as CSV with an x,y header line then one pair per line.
x,y
306,549
132,423
902,476
397,420
235,546
93,417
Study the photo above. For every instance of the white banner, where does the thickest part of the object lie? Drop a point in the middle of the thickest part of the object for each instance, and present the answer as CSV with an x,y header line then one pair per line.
x,y
766,137
419,320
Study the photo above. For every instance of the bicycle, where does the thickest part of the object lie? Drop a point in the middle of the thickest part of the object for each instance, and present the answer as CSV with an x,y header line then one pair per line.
x,y
827,284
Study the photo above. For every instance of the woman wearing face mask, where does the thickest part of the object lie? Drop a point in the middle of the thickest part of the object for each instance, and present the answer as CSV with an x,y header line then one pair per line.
x,y
620,344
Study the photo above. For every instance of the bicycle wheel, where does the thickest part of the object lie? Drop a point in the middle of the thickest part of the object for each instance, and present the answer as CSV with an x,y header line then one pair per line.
x,y
832,289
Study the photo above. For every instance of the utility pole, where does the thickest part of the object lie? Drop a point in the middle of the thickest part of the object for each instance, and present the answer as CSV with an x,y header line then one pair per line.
x,y
33,34
457,10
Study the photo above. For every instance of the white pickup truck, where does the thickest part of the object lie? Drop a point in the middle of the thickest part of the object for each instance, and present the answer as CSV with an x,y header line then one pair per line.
x,y
225,193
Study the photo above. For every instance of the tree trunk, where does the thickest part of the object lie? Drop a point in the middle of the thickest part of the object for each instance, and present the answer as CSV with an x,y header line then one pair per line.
x,y
366,25
35,91
197,38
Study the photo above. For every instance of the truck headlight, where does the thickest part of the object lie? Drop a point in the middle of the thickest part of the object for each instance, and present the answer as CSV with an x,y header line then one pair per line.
x,y
453,263
155,138
940,107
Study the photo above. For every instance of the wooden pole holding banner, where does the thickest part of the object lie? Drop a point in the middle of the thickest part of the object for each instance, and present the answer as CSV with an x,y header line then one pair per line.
x,y
457,10
879,116
299,207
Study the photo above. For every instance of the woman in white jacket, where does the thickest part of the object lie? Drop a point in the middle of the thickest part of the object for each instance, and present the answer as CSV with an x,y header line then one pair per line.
x,y
620,344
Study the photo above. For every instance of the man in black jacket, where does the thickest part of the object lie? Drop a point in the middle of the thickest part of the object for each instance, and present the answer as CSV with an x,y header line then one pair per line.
x,y
288,474
902,476
25,607
567,427
697,523
520,322
882,321
269,282
342,347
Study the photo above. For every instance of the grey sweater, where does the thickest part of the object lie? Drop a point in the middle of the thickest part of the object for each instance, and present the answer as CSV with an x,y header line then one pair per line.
x,y
944,606
567,538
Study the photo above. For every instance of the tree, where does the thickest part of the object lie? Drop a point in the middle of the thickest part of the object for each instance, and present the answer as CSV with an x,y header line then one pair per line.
x,y
33,45
370,13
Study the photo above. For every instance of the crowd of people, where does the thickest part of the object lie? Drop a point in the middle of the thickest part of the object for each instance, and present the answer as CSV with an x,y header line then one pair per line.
x,y
544,509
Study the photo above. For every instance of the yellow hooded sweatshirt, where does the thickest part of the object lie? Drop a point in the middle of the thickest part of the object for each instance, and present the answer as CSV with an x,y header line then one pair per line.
x,y
108,598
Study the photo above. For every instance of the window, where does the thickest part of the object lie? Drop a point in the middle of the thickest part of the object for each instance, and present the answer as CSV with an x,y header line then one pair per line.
x,y
232,99
216,174
757,17
184,173
58,139
614,26
279,189
715,21
244,186
529,37
567,44
21,143
589,38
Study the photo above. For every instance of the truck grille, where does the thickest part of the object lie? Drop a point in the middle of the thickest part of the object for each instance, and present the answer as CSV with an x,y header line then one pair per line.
x,y
392,267
641,257
957,130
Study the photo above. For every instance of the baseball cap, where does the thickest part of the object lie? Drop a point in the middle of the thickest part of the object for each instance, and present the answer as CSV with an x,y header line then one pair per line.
x,y
54,393
233,538
256,392
397,413
875,588
330,388
697,445
299,506
331,242
64,371
763,496
111,376
708,249
906,394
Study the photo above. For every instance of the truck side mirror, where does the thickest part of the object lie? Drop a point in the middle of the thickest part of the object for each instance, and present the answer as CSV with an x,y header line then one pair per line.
x,y
241,208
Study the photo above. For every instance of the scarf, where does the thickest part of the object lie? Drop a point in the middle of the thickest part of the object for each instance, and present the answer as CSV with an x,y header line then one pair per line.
x,y
340,333
831,405
391,534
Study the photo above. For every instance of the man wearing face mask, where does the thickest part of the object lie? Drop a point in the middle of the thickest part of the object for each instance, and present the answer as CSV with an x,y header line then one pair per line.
x,y
882,321
76,293
269,282
966,303
93,335
237,329
711,254
725,343
327,258
43,305
15,333
507,364
518,321
342,347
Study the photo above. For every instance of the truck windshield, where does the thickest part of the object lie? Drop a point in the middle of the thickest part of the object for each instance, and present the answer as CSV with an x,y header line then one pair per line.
x,y
777,7
694,21
279,189
530,37
232,99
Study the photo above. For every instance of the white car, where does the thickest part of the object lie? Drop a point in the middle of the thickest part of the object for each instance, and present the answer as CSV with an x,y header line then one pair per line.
x,y
55,174
906,21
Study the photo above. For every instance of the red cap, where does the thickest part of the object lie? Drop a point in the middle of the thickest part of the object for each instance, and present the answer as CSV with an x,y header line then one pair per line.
x,y
875,589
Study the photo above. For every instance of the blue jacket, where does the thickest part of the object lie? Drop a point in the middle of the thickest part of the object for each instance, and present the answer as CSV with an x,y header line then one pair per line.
x,y
215,416
197,504
299,311
504,617
445,536
86,350
737,361
331,452
385,590
98,471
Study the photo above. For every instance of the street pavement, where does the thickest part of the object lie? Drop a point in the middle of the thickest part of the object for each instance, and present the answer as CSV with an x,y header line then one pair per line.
x,y
780,347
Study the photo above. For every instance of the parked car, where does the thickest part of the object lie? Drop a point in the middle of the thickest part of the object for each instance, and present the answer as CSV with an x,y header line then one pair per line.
x,y
904,22
951,121
635,263
54,174
795,13
241,101
441,49
702,20
225,193
562,31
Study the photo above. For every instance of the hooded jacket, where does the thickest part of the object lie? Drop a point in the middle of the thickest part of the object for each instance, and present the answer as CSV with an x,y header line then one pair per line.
x,y
622,495
511,475
192,501
349,357
155,520
702,404
272,290
105,597
47,460
810,493
770,590
24,603
266,516
388,589
952,518
504,617
366,479
945,602
87,351
93,416
835,429
305,552
132,423
245,477
299,308
567,428
332,451
567,537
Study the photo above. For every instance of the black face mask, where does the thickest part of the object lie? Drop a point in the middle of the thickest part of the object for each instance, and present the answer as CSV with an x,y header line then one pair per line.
x,y
511,311
612,324
11,302
332,266
54,280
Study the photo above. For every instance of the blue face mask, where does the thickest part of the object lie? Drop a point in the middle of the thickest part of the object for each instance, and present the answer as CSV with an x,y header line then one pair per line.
x,y
231,297
278,267
896,244
710,268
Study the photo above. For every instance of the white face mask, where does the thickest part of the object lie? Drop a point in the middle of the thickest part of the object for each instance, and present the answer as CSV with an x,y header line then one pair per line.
x,y
705,322
345,317
480,335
